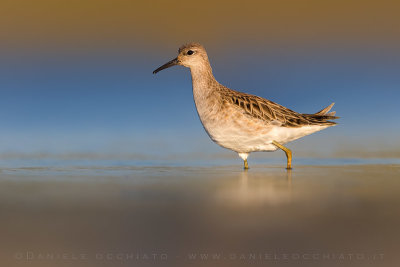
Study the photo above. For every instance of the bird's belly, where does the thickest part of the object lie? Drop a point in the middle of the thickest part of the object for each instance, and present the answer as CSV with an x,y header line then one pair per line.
x,y
246,135
240,140
238,133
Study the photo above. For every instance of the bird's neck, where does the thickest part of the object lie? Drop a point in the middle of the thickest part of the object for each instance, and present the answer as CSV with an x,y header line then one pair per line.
x,y
203,80
204,91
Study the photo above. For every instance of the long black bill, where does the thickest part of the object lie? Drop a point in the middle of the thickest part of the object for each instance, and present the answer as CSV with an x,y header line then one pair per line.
x,y
167,65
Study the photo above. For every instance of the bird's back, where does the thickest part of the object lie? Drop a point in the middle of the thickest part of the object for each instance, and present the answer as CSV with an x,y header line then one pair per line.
x,y
271,112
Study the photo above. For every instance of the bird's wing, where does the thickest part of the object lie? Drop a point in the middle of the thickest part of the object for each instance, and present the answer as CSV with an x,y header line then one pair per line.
x,y
272,112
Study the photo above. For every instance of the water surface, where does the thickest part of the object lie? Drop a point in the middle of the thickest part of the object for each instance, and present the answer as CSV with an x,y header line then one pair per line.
x,y
128,215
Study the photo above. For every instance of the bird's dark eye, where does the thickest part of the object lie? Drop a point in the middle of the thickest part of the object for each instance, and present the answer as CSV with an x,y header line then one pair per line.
x,y
190,52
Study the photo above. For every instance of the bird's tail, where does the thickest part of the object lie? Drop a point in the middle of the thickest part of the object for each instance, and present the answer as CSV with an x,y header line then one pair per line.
x,y
325,111
323,116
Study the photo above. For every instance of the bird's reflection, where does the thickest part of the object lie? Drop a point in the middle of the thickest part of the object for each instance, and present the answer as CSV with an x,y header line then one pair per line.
x,y
257,187
289,177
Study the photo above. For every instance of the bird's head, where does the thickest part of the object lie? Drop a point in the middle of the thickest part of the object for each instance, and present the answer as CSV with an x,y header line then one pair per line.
x,y
192,55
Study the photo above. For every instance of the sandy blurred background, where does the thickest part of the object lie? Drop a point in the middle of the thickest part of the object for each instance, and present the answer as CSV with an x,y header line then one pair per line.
x,y
76,79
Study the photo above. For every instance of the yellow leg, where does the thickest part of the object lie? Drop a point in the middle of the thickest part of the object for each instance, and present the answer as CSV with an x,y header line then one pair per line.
x,y
288,153
246,166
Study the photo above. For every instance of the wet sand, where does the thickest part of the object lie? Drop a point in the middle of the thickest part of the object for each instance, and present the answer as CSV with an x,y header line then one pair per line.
x,y
200,216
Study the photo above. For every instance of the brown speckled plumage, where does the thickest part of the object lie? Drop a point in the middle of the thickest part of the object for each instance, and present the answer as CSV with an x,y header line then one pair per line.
x,y
263,109
269,111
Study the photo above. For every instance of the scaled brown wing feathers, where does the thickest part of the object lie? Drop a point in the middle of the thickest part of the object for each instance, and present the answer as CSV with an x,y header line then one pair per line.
x,y
269,111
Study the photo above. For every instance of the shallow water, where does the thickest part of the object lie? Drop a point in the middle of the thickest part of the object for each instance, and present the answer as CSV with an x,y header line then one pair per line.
x,y
127,215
